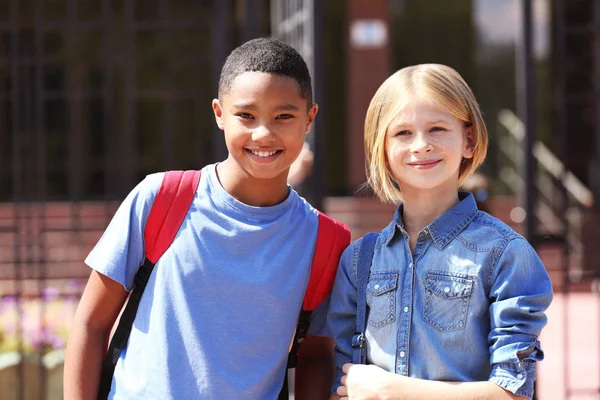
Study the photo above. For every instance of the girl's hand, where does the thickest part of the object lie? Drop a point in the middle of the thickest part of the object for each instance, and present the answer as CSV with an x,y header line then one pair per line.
x,y
368,382
364,382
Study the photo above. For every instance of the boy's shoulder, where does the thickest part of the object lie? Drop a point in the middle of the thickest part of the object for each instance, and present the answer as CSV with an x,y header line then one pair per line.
x,y
323,217
141,198
147,189
151,183
333,234
338,225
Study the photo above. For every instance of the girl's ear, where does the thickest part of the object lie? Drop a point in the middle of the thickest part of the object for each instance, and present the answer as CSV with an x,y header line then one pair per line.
x,y
469,142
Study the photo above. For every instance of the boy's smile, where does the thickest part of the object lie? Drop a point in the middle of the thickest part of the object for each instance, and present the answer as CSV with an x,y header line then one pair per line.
x,y
265,118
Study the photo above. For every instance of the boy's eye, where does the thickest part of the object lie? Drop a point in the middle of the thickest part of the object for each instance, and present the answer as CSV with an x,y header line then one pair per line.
x,y
244,115
284,116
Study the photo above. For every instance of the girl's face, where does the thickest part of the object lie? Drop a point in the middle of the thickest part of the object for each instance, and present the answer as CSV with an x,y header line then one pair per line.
x,y
425,146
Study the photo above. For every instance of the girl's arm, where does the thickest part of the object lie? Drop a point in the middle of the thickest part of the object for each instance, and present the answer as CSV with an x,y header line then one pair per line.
x,y
368,382
96,313
520,292
341,318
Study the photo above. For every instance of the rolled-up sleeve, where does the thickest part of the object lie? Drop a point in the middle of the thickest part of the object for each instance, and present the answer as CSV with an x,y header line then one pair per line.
x,y
520,293
341,317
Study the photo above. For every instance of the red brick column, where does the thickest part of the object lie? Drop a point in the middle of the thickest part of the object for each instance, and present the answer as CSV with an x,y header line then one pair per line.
x,y
368,66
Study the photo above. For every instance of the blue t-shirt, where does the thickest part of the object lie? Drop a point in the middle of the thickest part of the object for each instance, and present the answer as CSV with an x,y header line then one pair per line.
x,y
220,310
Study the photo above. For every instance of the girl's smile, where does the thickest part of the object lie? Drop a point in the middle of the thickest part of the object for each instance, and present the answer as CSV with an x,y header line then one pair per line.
x,y
424,164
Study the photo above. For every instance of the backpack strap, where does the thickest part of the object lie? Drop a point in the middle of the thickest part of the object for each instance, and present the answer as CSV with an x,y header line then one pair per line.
x,y
363,269
332,238
168,211
170,208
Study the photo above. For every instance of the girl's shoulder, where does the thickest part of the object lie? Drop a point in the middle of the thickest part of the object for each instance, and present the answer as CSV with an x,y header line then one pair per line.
x,y
488,233
484,223
383,237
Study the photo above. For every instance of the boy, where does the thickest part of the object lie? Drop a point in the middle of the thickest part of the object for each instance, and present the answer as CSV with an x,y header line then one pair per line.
x,y
220,309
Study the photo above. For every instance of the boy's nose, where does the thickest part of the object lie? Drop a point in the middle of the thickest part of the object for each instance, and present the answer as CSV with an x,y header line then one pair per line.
x,y
262,133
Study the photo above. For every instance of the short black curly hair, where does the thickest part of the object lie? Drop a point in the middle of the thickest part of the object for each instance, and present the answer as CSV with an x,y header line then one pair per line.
x,y
268,55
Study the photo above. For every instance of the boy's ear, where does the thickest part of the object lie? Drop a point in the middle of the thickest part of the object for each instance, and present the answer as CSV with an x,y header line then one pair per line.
x,y
312,113
470,142
218,110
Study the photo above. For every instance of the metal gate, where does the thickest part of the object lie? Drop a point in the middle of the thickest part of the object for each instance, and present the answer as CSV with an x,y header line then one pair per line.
x,y
299,23
94,95
565,187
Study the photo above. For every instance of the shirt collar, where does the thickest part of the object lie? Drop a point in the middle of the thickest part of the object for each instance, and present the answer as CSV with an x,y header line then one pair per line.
x,y
446,227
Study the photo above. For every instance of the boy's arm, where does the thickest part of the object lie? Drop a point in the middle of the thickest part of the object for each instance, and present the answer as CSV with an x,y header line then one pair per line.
x,y
314,372
96,313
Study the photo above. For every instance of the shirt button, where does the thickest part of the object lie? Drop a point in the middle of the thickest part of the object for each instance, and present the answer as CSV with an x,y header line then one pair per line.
x,y
376,287
446,289
520,376
405,309
402,354
410,265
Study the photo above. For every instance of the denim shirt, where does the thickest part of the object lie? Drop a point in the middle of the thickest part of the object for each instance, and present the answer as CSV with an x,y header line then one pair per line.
x,y
462,308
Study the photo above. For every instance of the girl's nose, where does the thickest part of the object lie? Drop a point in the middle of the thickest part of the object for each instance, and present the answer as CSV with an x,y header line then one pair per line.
x,y
420,144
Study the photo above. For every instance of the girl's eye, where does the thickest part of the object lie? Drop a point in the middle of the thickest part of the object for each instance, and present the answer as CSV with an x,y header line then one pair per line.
x,y
244,115
402,133
437,129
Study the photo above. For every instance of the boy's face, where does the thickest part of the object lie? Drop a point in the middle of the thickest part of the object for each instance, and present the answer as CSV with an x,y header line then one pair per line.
x,y
265,119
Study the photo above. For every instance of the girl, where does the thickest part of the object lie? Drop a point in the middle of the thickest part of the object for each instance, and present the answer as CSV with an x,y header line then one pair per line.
x,y
456,298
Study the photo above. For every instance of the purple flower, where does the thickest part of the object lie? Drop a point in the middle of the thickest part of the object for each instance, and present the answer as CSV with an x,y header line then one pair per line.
x,y
50,293
39,324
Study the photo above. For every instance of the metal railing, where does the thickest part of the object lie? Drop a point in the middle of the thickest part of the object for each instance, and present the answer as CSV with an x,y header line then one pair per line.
x,y
563,201
93,96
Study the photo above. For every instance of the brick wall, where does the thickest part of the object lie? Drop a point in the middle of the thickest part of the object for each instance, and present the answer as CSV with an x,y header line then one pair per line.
x,y
55,239
48,241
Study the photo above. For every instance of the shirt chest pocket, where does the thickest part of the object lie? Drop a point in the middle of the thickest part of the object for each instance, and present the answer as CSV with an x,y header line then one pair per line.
x,y
447,300
381,298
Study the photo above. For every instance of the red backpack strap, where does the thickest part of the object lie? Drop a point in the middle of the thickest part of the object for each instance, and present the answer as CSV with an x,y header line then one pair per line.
x,y
332,238
170,208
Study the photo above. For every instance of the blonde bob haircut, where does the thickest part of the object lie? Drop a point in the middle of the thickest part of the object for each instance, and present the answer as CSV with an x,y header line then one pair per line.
x,y
437,84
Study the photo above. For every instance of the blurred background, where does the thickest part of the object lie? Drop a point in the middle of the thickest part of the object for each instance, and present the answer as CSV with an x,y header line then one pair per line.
x,y
95,94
